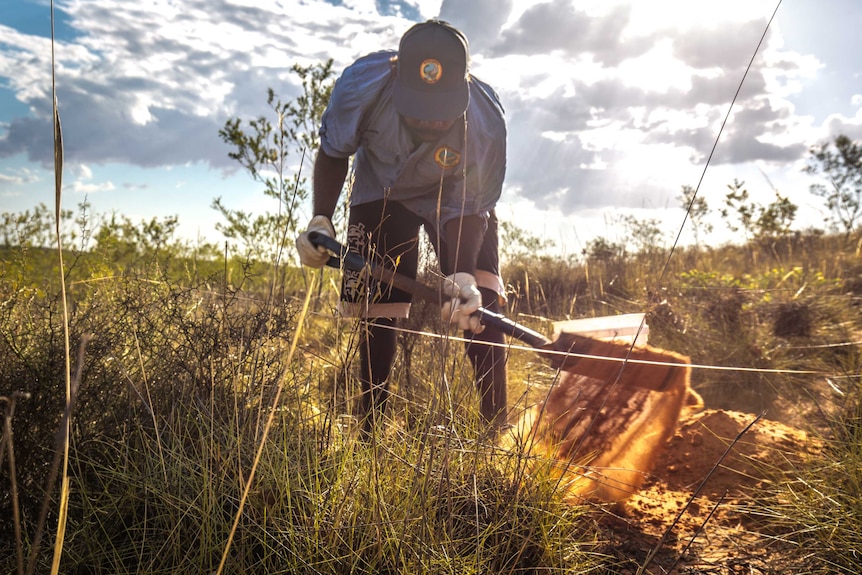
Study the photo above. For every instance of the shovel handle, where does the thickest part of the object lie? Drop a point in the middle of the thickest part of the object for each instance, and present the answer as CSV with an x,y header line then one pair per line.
x,y
354,261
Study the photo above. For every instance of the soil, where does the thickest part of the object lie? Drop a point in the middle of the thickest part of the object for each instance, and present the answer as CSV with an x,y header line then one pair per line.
x,y
690,517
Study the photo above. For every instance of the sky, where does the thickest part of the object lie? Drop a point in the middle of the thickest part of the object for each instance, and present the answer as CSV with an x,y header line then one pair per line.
x,y
612,106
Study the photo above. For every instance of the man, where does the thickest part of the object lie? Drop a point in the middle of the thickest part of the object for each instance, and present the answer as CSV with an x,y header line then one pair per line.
x,y
429,147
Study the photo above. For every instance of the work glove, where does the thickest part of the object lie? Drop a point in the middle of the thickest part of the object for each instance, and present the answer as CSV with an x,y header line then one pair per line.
x,y
464,300
309,254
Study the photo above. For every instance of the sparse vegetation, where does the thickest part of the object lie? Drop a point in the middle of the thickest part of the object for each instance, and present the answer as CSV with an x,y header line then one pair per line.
x,y
839,163
757,222
268,149
187,357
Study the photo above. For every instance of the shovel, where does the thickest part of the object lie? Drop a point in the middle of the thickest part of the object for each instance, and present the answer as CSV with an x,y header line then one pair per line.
x,y
643,366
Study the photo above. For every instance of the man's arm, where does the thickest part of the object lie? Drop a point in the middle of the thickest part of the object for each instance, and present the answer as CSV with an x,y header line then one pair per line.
x,y
329,175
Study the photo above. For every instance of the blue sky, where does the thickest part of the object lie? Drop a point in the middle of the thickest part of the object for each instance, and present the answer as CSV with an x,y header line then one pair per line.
x,y
612,105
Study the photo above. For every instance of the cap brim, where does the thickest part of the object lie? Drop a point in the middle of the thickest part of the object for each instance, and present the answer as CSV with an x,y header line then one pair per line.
x,y
431,106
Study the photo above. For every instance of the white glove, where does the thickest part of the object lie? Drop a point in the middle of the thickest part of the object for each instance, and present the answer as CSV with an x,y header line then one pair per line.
x,y
309,254
466,299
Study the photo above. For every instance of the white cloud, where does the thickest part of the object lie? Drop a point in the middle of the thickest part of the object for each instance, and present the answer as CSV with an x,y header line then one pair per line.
x,y
427,8
84,188
11,179
657,70
84,183
611,103
83,171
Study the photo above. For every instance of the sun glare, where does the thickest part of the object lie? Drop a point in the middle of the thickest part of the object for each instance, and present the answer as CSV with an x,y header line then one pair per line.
x,y
657,70
654,15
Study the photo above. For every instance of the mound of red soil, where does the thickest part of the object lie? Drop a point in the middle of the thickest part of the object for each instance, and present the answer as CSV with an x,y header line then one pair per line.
x,y
689,513
693,454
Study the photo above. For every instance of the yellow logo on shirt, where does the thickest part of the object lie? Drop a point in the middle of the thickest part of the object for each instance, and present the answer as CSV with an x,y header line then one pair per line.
x,y
446,157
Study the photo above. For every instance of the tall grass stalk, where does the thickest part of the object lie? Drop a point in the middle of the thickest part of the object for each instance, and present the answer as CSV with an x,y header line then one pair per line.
x,y
9,443
267,426
64,433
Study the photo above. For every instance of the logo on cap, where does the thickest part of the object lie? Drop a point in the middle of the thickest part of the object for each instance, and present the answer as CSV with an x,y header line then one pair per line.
x,y
446,157
430,70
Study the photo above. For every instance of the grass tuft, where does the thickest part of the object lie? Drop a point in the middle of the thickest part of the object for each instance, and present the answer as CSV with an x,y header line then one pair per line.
x,y
186,363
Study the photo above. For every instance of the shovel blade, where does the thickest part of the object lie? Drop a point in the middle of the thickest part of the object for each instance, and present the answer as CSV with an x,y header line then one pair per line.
x,y
644,366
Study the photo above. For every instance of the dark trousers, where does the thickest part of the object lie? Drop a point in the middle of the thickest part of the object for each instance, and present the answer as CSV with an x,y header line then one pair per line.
x,y
387,233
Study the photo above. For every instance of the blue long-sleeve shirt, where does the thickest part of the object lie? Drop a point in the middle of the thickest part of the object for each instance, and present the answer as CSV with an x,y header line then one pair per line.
x,y
361,120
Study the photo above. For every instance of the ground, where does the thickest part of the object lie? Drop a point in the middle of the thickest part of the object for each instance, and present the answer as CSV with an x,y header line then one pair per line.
x,y
690,515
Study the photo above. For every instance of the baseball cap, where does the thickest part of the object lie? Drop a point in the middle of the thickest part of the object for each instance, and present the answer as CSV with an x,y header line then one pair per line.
x,y
431,82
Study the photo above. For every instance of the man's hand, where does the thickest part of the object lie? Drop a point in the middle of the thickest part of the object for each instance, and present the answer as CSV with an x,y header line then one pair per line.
x,y
465,300
309,254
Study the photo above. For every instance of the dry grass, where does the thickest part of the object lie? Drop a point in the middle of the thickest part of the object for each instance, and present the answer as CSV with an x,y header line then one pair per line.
x,y
183,371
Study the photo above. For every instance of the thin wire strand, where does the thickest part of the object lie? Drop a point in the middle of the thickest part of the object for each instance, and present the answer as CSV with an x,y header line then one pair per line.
x,y
511,346
716,141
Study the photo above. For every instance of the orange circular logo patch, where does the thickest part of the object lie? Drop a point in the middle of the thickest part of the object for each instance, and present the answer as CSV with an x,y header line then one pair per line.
x,y
430,70
446,157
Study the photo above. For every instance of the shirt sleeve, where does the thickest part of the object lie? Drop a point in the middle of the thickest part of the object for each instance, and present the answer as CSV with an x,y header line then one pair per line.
x,y
354,94
491,187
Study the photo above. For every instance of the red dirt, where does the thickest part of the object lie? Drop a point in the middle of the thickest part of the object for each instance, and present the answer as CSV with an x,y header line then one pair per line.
x,y
691,501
